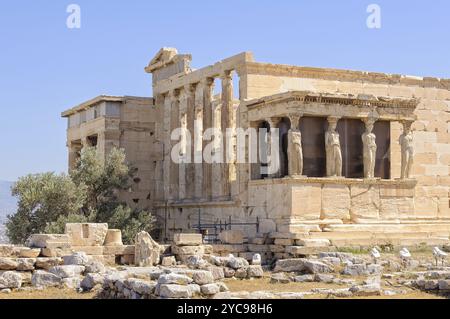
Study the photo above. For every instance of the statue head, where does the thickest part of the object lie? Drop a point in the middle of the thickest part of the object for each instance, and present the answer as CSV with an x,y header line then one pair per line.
x,y
369,126
332,125
407,127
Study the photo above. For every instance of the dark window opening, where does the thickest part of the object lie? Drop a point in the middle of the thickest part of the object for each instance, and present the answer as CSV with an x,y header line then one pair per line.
x,y
313,145
92,140
382,131
350,132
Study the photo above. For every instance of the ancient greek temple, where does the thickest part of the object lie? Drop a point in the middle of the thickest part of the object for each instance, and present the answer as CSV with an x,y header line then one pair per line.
x,y
362,158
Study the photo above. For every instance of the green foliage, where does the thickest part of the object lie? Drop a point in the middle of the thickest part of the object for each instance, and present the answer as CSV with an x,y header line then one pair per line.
x,y
42,199
130,221
48,201
58,226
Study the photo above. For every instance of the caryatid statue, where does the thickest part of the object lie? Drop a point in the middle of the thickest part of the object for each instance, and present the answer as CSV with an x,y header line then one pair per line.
x,y
369,150
295,153
407,150
333,149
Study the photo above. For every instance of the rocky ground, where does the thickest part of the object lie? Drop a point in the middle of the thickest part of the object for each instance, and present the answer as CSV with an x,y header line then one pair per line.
x,y
328,275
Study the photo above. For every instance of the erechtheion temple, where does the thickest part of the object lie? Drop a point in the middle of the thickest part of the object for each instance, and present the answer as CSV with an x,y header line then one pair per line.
x,y
363,157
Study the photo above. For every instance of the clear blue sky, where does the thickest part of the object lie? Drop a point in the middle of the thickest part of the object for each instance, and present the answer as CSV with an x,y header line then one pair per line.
x,y
46,67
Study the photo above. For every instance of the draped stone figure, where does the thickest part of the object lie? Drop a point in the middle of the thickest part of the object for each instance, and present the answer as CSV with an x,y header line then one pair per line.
x,y
407,150
295,153
369,151
333,150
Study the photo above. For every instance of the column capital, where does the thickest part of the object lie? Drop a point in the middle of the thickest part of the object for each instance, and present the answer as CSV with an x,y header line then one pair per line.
x,y
208,81
189,88
294,118
273,121
173,95
407,124
226,75
333,119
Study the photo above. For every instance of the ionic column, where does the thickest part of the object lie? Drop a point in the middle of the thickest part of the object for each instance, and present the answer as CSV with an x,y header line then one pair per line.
x,y
159,145
198,141
190,118
274,154
228,121
167,143
174,124
208,87
183,101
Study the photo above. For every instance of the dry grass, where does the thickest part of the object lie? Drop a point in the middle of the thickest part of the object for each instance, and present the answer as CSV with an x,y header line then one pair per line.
x,y
50,293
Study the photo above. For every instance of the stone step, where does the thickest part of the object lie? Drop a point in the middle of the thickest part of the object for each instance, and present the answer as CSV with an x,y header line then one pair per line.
x,y
385,228
378,235
433,241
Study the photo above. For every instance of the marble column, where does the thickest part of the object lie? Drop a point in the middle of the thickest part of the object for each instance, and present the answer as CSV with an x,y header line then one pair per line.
x,y
174,124
183,101
167,143
190,117
228,122
198,141
208,88
159,145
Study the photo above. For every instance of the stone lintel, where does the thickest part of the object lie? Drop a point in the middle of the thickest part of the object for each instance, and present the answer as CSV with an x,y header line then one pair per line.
x,y
410,183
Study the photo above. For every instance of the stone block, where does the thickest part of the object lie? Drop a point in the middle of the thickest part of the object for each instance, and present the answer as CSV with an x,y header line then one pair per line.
x,y
49,241
290,265
26,252
43,278
147,251
229,249
25,264
258,248
336,201
182,239
257,240
67,271
9,251
8,263
86,234
55,252
304,250
47,263
365,202
168,261
233,237
313,242
306,202
188,250
267,226
118,250
89,250
283,241
277,248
